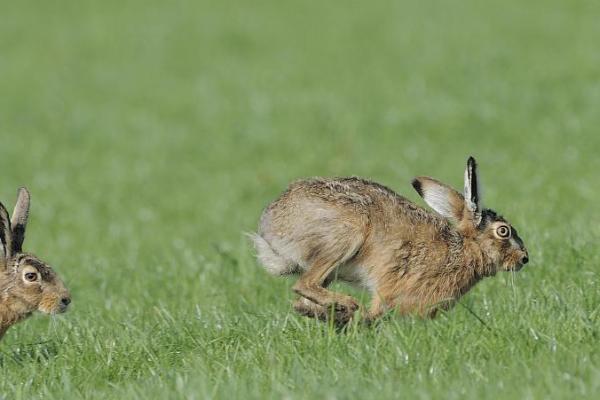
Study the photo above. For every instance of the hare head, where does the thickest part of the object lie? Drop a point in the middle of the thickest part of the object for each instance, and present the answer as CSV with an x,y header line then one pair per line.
x,y
498,240
27,284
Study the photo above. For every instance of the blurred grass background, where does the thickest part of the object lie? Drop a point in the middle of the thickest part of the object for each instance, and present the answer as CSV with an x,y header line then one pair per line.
x,y
152,134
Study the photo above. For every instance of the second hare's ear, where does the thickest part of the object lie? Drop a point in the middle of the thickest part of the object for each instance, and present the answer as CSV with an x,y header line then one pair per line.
x,y
442,198
472,197
5,236
19,220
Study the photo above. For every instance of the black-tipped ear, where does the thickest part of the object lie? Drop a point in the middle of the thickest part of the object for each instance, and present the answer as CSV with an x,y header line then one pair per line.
x,y
442,198
471,193
5,235
19,219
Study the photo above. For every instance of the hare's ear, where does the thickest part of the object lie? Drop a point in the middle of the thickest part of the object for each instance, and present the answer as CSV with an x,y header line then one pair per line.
x,y
472,198
19,220
5,236
442,198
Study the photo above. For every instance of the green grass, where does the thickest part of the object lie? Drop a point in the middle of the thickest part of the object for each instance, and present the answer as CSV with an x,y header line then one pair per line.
x,y
151,134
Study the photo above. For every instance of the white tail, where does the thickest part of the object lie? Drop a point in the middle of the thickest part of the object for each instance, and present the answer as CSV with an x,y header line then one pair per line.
x,y
270,260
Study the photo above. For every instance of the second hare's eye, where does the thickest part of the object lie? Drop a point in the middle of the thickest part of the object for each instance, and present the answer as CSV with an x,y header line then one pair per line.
x,y
31,276
503,231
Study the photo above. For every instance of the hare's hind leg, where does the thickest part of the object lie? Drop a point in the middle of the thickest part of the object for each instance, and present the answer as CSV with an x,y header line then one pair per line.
x,y
308,308
310,287
324,260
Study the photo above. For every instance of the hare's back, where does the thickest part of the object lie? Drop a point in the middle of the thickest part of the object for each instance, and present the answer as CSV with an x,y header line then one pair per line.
x,y
314,205
311,203
351,191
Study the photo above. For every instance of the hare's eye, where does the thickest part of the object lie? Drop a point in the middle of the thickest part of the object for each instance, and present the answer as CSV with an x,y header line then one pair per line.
x,y
31,276
503,231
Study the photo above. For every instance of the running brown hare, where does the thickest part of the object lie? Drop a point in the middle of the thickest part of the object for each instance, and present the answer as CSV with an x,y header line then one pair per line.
x,y
27,284
409,259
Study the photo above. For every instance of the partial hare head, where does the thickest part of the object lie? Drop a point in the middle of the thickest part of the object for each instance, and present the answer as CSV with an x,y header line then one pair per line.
x,y
27,284
498,240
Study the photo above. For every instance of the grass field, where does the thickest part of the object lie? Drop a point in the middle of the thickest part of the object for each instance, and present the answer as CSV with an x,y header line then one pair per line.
x,y
152,134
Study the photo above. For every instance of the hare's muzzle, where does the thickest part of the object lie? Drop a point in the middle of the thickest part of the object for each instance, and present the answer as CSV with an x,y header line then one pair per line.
x,y
524,259
64,303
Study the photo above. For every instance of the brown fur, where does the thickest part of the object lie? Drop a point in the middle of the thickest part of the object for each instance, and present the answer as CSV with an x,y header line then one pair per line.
x,y
27,284
410,259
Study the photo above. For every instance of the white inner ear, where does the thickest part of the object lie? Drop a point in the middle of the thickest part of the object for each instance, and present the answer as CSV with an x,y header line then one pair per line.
x,y
467,192
473,207
438,198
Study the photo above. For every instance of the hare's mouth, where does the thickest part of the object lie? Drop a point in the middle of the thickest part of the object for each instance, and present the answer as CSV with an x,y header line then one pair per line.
x,y
58,309
512,267
518,267
515,268
52,305
516,262
62,309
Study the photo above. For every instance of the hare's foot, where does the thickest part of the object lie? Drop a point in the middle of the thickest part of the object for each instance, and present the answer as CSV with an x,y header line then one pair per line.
x,y
307,308
340,313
